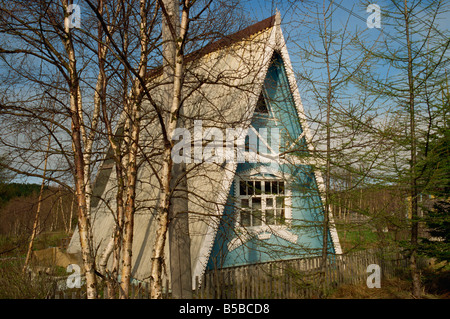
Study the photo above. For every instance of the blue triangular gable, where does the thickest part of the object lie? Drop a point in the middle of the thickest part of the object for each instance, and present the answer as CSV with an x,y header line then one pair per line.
x,y
300,235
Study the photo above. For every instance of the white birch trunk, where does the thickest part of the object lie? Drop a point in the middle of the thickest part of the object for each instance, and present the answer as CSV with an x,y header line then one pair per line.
x,y
164,208
133,141
80,165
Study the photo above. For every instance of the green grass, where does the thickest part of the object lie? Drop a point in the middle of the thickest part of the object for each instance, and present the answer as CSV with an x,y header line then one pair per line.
x,y
362,237
358,239
13,282
49,239
17,246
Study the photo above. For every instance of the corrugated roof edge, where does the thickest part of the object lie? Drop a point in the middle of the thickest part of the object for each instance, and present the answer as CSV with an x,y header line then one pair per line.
x,y
222,43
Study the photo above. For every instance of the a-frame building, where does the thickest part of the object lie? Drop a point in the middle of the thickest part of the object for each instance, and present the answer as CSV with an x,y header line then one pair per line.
x,y
263,206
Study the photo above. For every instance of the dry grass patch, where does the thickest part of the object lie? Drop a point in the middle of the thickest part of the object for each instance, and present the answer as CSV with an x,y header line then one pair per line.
x,y
394,288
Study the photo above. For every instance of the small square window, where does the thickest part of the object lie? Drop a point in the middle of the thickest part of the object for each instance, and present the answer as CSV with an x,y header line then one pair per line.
x,y
262,203
242,188
267,187
274,188
280,187
245,218
270,220
256,203
250,188
257,187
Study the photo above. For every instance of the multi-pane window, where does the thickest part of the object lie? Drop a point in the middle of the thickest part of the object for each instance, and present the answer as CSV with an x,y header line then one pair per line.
x,y
262,202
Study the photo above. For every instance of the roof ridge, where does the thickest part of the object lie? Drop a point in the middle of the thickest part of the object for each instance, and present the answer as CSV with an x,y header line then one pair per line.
x,y
223,42
232,38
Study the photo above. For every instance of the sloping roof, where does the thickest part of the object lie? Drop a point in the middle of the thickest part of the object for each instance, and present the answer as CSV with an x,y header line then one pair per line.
x,y
221,88
233,38
223,42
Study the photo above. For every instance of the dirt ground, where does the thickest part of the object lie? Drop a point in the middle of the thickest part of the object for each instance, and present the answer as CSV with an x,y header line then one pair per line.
x,y
394,288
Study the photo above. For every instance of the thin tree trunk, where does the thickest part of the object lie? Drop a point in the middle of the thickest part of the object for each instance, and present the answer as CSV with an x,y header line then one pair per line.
x,y
79,164
63,217
413,182
38,210
83,219
114,245
71,215
178,231
164,209
133,141
328,161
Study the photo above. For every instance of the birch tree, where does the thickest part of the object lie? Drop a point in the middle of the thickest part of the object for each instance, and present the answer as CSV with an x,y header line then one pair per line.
x,y
124,142
84,69
43,33
38,211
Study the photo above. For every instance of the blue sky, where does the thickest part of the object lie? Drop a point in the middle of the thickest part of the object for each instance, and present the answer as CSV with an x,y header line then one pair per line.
x,y
349,13
353,10
292,13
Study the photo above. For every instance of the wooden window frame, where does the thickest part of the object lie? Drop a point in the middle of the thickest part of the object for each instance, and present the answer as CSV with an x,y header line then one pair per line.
x,y
278,220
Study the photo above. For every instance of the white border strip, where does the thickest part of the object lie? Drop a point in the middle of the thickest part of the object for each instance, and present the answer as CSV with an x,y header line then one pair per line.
x,y
303,121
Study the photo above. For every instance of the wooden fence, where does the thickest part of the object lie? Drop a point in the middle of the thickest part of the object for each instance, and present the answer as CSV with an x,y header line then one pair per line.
x,y
299,278
290,279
